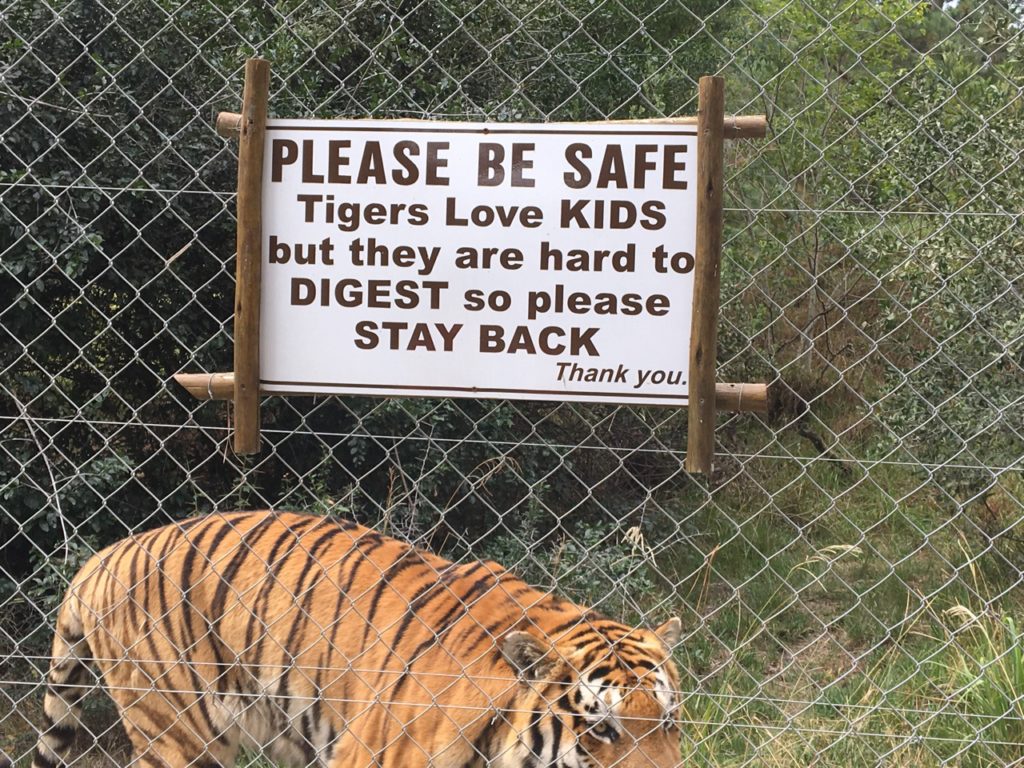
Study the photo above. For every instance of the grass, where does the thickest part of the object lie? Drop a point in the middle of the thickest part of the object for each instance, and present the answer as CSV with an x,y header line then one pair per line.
x,y
831,617
852,618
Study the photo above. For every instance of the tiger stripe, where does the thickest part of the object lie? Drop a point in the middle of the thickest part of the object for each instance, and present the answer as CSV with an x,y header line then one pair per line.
x,y
324,643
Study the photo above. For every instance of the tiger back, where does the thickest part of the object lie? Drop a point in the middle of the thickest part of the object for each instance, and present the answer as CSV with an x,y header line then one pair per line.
x,y
322,642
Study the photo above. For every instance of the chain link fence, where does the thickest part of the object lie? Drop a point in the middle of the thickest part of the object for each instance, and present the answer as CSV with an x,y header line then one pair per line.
x,y
848,579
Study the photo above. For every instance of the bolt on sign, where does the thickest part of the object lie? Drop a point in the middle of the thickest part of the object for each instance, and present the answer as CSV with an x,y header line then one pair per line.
x,y
524,261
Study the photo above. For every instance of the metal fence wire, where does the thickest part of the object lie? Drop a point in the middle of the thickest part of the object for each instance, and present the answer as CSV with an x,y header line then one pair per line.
x,y
848,580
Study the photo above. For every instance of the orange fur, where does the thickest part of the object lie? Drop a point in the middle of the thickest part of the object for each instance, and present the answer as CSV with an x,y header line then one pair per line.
x,y
323,642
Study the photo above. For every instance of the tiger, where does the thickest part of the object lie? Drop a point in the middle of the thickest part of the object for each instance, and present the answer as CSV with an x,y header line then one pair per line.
x,y
321,642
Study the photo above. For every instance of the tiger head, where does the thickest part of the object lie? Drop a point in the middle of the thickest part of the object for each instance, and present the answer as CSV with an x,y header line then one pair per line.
x,y
599,695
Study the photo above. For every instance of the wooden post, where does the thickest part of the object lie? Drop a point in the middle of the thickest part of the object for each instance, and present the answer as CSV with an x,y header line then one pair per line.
x,y
704,329
734,126
249,242
742,398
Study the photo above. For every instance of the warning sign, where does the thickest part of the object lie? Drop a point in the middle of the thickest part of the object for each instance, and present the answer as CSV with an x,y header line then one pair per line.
x,y
459,259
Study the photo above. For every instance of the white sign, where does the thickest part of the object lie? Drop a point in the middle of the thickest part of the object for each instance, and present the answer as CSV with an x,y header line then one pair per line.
x,y
541,262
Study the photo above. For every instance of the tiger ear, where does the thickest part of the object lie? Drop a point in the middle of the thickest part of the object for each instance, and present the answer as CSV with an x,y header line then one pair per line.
x,y
529,657
670,632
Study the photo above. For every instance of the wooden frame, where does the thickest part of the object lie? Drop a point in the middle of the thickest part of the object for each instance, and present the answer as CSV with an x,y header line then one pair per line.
x,y
706,279
705,396
745,398
249,243
733,126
